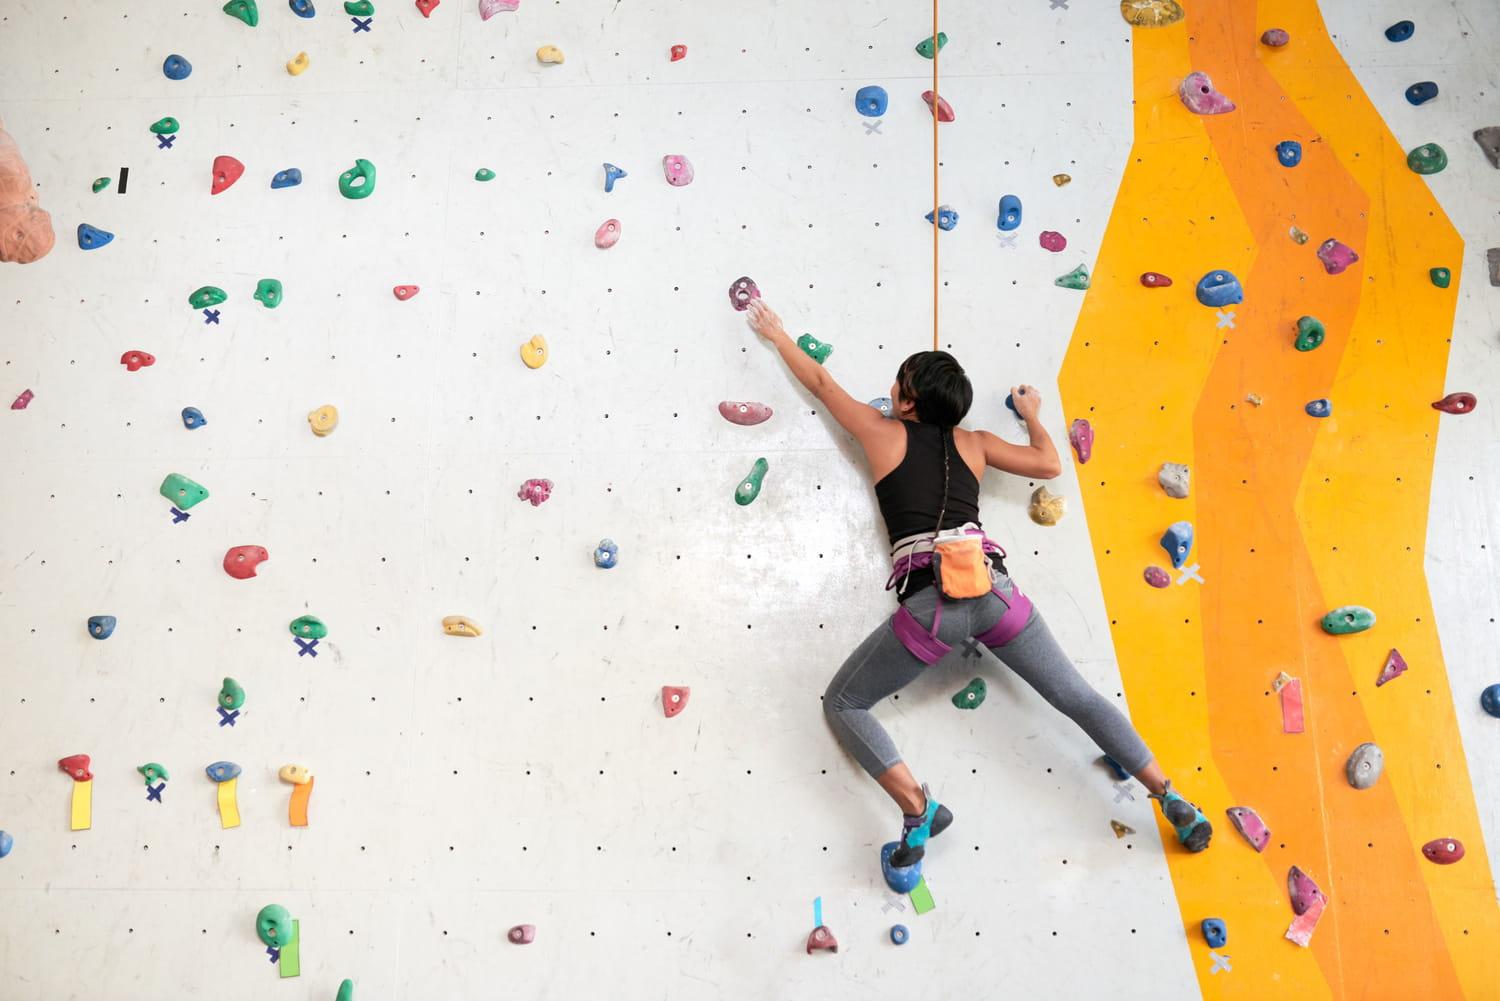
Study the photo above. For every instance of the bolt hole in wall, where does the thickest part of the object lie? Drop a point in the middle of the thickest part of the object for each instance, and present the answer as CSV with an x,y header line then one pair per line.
x,y
460,308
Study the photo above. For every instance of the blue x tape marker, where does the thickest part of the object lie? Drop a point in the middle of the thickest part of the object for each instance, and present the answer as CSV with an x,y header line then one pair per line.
x,y
274,953
228,716
165,142
305,647
154,792
361,24
210,316
179,516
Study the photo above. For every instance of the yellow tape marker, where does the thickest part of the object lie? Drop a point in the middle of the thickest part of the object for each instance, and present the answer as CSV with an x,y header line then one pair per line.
x,y
229,806
83,805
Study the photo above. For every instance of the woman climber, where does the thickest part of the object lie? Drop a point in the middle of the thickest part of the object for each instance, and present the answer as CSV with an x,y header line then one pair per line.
x,y
950,579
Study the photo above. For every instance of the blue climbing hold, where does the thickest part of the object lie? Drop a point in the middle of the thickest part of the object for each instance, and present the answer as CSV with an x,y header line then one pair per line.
x,y
192,418
1319,408
90,238
901,879
946,218
101,626
1219,289
1490,700
899,934
611,175
1400,31
1289,152
223,771
174,67
871,101
1421,93
1010,213
1214,932
1178,542
884,405
289,178
6,843
302,8
606,554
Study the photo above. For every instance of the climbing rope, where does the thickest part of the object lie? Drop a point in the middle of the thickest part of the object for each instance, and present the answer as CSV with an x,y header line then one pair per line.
x,y
935,229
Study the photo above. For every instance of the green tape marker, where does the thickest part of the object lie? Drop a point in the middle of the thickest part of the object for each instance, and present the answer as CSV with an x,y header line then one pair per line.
x,y
291,953
921,900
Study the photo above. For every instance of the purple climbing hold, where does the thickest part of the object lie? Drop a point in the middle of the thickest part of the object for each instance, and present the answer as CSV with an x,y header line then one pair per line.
x,y
1395,666
536,491
1157,577
1250,826
1336,256
1274,37
1198,93
742,292
1081,437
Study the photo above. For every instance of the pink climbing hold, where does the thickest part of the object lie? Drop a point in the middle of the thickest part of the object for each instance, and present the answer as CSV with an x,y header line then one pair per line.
x,y
241,561
1274,38
1197,92
941,109
1308,903
522,934
23,401
1155,279
1336,256
1456,403
227,170
742,292
608,234
1052,241
1395,666
136,360
426,6
1081,437
822,940
1157,577
1291,706
744,414
679,172
489,8
535,491
674,700
679,52
405,292
1250,826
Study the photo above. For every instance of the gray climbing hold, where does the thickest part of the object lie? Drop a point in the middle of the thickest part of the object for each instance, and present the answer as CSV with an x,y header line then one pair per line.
x,y
1174,479
1364,766
1178,542
1488,139
1492,257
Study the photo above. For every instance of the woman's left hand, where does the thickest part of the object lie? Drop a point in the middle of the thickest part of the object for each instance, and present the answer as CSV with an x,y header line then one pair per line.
x,y
764,321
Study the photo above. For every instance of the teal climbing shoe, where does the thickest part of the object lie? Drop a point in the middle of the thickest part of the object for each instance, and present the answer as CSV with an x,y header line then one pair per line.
x,y
935,820
1192,827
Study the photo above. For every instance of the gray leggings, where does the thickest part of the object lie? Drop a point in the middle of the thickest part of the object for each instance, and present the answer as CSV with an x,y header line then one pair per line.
x,y
881,666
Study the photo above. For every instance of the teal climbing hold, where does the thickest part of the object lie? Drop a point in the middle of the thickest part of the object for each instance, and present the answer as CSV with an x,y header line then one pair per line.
x,y
309,626
1428,158
815,349
182,492
207,295
932,44
268,292
1441,277
972,695
1078,279
165,126
245,10
1347,619
358,181
100,183
749,487
1310,333
359,8
484,174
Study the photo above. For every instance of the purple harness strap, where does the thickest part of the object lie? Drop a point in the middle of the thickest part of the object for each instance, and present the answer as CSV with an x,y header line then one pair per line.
x,y
924,644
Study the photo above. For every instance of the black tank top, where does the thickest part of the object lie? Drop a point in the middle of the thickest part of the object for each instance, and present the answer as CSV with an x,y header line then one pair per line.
x,y
911,494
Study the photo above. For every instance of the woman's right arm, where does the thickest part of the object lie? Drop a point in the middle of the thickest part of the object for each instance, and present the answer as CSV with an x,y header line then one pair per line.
x,y
1037,460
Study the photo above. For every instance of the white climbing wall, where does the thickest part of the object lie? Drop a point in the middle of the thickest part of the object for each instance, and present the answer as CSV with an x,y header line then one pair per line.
x,y
464,786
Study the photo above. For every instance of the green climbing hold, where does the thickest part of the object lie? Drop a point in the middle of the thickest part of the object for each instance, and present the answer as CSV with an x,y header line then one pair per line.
x,y
231,694
346,989
208,295
815,349
972,697
268,292
1441,277
929,46
358,181
182,491
245,10
100,183
274,926
1310,333
1348,619
165,126
359,8
1429,158
153,772
1078,278
310,626
749,487
484,174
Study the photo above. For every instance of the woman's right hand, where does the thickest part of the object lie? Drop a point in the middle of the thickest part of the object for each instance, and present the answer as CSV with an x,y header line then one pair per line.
x,y
1026,400
763,320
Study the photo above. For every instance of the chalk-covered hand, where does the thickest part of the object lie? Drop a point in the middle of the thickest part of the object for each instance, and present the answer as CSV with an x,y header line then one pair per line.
x,y
1026,400
763,320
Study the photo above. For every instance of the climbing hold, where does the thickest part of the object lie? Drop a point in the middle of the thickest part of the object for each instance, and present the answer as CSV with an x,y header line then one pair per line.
x,y
1274,37
941,109
534,352
678,53
1321,407
1347,619
227,170
346,986
1289,152
1489,700
1308,903
153,772
231,694
323,420
1364,766
1429,158
405,292
606,554
23,401
1175,479
1421,93
245,10
884,405
1456,403
1443,851
182,491
1336,256
1488,139
1178,542
6,843
309,626
1121,830
932,44
192,418
427,6
298,775
1046,508
242,561
1214,932
302,8
550,54
1250,826
899,934
871,101
1395,666
1218,289
1441,277
274,926
358,181
134,360
484,174
1052,240
678,170
77,767
522,934
900,878
101,627
744,414
1310,333
742,292
223,771
1400,31
1081,437
1151,13
821,940
359,8
175,67
1115,768
1078,278
608,234
1010,213
289,178
1155,279
100,183
674,700
1157,577
1297,235
1197,92
749,487
90,238
489,8
815,349
947,218
268,292
1062,179
535,491
611,175
297,64
972,695
459,625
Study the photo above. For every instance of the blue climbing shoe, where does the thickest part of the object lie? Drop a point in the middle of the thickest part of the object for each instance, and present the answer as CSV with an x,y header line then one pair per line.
x,y
901,879
1192,827
933,821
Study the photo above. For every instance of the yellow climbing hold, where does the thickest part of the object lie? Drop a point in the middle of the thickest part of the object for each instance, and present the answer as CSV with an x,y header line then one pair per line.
x,y
458,625
1061,179
297,64
549,54
1151,13
534,352
1046,507
324,420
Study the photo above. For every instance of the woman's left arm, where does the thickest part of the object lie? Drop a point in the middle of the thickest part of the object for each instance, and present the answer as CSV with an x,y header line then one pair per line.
x,y
859,419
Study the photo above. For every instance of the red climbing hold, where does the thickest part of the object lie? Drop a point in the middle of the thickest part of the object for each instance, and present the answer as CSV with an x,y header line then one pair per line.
x,y
1456,403
242,561
679,52
133,360
405,292
1053,241
1395,666
21,402
1155,279
227,170
674,700
77,766
425,6
522,934
940,108
1444,851
822,940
